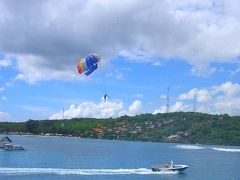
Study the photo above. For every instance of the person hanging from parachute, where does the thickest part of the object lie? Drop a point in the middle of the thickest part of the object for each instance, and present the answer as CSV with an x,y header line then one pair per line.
x,y
105,97
88,65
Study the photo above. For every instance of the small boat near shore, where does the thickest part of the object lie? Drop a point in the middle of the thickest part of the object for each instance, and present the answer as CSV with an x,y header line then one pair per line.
x,y
169,167
10,147
5,140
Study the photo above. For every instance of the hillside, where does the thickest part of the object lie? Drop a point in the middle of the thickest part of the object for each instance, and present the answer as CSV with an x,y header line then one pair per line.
x,y
182,127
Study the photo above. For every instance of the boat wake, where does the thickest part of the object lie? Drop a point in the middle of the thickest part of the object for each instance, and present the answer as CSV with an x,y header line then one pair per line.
x,y
195,147
29,171
189,147
226,150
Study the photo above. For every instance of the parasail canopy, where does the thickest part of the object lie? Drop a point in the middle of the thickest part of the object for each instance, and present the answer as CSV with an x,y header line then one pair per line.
x,y
88,65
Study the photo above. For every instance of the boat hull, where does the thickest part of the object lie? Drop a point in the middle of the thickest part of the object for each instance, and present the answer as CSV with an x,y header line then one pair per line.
x,y
178,168
10,147
14,149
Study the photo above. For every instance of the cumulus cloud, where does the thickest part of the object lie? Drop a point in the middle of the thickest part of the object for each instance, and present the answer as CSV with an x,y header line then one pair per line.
x,y
219,99
102,110
5,62
52,40
178,106
201,95
32,70
134,108
162,109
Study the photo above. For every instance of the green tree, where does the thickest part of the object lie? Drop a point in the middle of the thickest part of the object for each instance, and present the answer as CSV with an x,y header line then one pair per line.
x,y
32,126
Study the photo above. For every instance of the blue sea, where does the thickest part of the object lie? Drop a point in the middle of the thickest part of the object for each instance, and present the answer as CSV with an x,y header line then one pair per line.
x,y
50,158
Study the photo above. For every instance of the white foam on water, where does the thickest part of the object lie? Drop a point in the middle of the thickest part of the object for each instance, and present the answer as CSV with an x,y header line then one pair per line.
x,y
28,171
195,147
226,149
189,147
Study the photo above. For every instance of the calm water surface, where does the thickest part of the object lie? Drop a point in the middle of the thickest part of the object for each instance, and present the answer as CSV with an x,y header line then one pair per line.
x,y
75,158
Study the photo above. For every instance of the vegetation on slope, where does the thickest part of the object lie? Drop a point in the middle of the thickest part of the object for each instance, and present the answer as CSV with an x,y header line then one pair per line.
x,y
186,127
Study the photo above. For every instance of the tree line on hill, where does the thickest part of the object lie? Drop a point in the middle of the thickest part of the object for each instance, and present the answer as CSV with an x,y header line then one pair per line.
x,y
179,127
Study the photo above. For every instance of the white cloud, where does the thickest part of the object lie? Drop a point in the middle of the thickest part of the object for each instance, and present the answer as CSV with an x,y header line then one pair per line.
x,y
6,61
188,95
8,84
224,104
178,106
228,89
163,97
162,109
138,56
202,95
220,99
236,71
4,116
32,70
199,32
157,64
134,108
102,110
203,70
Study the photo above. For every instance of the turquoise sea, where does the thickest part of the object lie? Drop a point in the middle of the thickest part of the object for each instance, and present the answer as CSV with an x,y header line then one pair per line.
x,y
50,158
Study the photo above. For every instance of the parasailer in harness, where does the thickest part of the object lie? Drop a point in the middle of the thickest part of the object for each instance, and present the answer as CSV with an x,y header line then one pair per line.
x,y
88,65
105,97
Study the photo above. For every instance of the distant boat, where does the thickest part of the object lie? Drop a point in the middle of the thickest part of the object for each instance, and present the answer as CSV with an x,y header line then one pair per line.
x,y
10,147
169,167
4,141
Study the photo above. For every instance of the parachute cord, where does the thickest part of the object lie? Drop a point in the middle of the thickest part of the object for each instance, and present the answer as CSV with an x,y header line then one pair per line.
x,y
101,87
95,84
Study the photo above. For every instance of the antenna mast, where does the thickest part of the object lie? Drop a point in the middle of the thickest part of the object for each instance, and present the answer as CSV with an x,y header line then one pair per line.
x,y
62,125
167,105
194,101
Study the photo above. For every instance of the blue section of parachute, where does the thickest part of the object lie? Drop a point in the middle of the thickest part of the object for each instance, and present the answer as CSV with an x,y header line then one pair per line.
x,y
91,69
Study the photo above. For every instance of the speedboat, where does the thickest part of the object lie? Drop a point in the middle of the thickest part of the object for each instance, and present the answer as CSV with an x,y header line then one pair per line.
x,y
169,167
10,147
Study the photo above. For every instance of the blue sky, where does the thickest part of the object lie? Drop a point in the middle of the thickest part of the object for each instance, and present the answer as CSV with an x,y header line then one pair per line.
x,y
191,47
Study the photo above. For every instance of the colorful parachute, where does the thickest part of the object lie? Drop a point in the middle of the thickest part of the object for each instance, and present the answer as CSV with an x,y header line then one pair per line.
x,y
88,65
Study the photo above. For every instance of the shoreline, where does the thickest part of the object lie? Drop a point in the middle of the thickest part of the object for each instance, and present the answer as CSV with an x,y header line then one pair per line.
x,y
76,137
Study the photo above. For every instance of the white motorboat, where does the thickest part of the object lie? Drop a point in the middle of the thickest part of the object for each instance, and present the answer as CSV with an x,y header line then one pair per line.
x,y
169,167
4,141
10,147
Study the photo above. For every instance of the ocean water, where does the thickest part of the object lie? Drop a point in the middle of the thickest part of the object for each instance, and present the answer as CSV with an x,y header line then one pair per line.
x,y
50,158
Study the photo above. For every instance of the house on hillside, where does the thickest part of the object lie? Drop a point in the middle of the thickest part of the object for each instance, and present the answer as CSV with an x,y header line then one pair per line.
x,y
5,140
